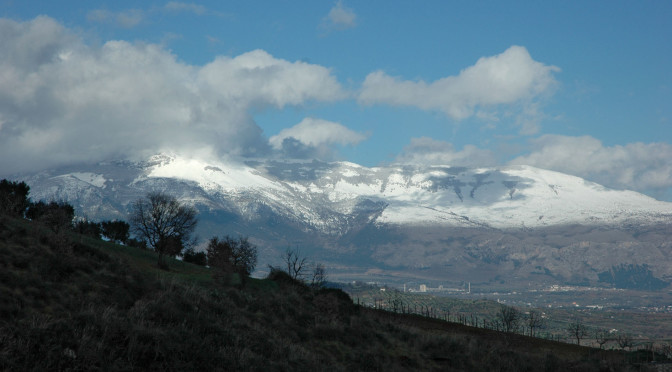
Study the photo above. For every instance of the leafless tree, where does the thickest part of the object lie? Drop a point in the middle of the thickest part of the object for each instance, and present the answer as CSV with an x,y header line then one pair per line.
x,y
164,223
319,276
624,340
295,262
577,330
601,337
534,321
509,319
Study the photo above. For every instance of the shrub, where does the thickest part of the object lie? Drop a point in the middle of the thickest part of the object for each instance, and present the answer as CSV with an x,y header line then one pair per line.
x,y
191,256
55,215
116,231
88,228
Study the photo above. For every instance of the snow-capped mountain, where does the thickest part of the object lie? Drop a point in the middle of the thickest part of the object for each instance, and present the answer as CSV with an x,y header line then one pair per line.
x,y
346,209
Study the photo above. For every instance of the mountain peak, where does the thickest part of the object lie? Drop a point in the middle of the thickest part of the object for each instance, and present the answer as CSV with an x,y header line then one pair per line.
x,y
313,192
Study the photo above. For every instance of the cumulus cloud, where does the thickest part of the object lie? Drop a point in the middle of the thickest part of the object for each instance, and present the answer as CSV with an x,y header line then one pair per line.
x,y
126,19
63,101
340,17
644,167
314,138
428,151
509,78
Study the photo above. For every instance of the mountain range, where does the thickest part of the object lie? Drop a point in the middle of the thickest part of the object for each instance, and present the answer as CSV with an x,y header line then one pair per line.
x,y
396,223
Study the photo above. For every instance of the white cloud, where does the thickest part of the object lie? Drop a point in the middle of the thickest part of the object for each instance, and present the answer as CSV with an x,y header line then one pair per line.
x,y
314,138
644,167
62,101
428,151
509,78
177,6
257,78
340,17
126,19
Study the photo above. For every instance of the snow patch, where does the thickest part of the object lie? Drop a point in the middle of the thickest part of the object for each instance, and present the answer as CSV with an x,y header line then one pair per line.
x,y
94,179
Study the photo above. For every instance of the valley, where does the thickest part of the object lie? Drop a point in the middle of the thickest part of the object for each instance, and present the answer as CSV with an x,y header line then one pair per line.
x,y
644,316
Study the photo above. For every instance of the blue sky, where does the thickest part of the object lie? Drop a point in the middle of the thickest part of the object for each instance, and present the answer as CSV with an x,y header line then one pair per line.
x,y
581,87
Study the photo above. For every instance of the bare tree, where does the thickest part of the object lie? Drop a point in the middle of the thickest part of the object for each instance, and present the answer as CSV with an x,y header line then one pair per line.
x,y
624,340
295,263
509,318
319,276
164,223
535,321
577,330
601,337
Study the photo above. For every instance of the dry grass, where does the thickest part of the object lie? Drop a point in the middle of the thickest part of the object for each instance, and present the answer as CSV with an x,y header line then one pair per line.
x,y
99,306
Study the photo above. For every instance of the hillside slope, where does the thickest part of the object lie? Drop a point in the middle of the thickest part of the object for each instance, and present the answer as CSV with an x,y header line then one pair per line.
x,y
73,303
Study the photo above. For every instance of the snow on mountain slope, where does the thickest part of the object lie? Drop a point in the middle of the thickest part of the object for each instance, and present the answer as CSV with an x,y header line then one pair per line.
x,y
519,223
331,197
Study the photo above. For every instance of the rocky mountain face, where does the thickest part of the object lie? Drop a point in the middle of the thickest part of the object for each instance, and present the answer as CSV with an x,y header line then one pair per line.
x,y
398,223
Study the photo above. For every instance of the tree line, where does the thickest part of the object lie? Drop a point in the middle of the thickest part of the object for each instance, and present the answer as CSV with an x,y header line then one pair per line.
x,y
159,222
58,216
508,319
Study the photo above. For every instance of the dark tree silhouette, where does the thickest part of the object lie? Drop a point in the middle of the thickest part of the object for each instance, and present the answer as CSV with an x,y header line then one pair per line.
x,y
197,258
116,231
601,337
319,277
89,228
55,215
164,223
624,340
13,197
509,319
295,263
534,321
230,256
577,330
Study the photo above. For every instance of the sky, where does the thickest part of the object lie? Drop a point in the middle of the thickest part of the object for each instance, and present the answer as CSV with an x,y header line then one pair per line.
x,y
579,87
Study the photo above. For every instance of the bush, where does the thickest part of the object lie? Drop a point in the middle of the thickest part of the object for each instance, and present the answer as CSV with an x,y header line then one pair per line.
x,y
137,243
116,231
55,215
88,228
191,256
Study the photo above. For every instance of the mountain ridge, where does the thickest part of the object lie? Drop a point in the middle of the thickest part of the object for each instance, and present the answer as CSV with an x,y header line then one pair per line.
x,y
394,216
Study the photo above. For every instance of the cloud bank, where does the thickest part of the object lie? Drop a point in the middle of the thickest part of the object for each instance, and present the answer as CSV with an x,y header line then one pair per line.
x,y
62,101
636,166
428,151
314,138
642,167
511,77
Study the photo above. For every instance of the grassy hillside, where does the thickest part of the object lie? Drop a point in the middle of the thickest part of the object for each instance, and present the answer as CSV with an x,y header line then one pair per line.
x,y
68,302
